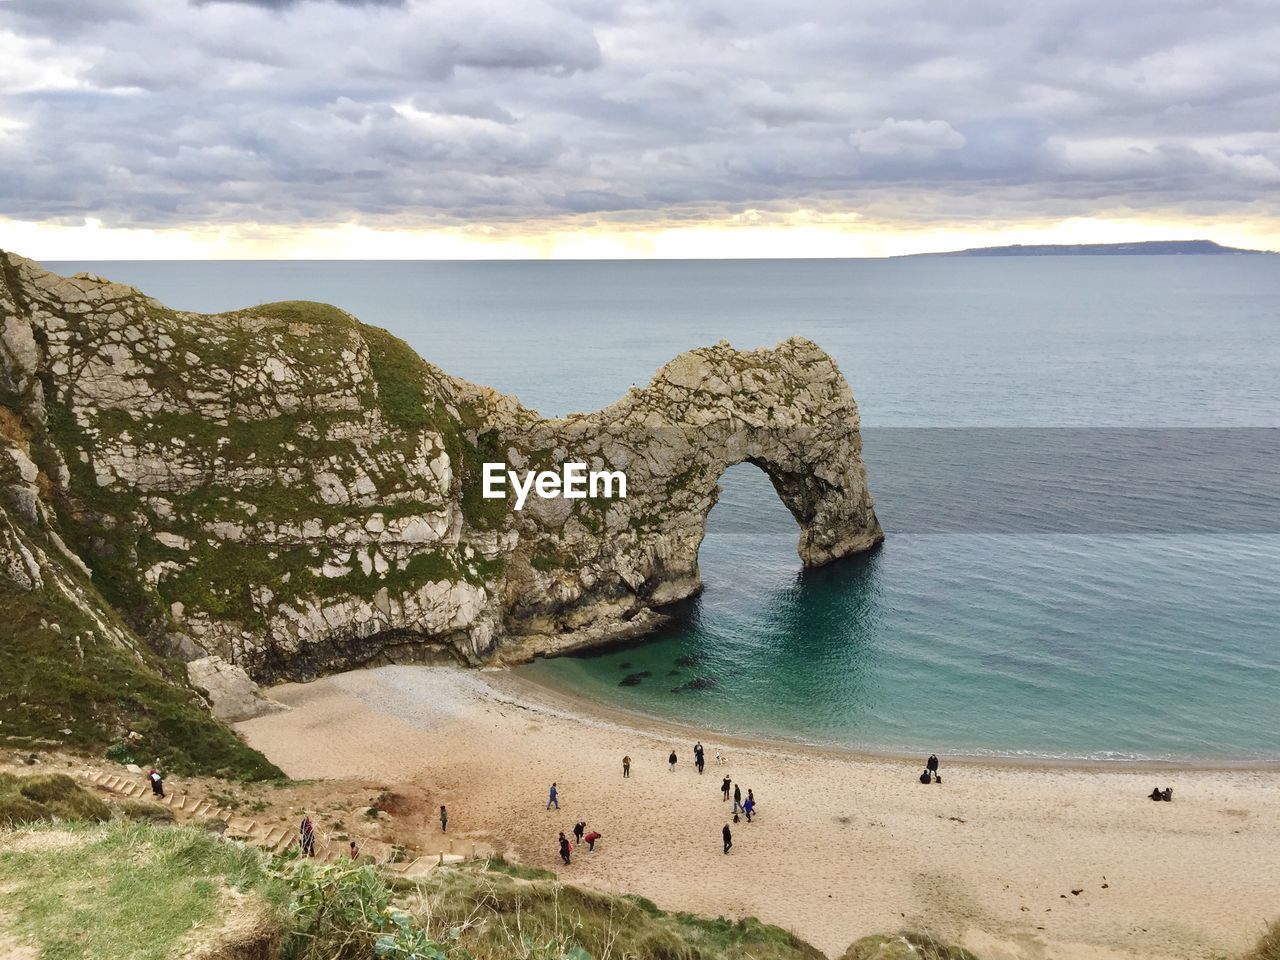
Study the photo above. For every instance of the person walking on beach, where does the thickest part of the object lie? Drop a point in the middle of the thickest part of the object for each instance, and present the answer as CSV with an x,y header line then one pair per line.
x,y
737,798
444,819
728,838
564,848
699,761
157,783
553,797
579,829
626,766
672,760
749,806
307,836
724,787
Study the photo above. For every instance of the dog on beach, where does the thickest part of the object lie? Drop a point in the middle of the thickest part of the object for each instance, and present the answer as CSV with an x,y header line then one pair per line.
x,y
719,757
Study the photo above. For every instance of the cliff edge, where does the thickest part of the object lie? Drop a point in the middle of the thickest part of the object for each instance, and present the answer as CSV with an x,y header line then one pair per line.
x,y
294,492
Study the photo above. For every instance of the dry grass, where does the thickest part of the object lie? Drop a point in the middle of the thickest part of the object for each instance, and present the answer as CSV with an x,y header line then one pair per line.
x,y
46,796
1268,948
502,913
126,891
905,946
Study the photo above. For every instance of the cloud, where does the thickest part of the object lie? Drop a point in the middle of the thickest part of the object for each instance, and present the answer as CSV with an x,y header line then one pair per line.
x,y
281,4
163,113
917,138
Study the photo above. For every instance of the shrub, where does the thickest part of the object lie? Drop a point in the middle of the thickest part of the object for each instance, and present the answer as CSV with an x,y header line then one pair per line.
x,y
1268,947
906,946
142,811
46,796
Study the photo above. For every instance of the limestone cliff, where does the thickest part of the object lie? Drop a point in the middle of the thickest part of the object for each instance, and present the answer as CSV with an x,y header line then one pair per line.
x,y
294,491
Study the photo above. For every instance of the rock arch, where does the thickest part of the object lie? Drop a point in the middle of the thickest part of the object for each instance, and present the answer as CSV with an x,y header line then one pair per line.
x,y
787,410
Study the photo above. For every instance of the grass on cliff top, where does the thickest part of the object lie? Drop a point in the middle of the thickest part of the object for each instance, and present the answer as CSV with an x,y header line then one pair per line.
x,y
126,891
310,312
406,402
500,912
138,891
50,684
46,796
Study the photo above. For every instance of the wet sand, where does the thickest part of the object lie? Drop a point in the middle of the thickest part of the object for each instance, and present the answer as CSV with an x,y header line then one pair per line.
x,y
843,845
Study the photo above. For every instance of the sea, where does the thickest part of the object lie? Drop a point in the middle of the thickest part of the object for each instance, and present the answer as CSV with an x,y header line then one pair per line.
x,y
1075,461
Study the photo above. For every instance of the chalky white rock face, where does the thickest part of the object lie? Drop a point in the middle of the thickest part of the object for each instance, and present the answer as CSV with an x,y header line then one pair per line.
x,y
295,492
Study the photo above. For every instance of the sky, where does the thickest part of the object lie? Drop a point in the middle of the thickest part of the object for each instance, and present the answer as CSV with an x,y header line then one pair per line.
x,y
632,128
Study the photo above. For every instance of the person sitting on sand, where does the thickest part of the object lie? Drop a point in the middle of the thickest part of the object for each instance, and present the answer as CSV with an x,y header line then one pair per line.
x,y
591,839
926,777
724,787
579,829
728,837
564,848
672,760
1156,794
1167,794
626,766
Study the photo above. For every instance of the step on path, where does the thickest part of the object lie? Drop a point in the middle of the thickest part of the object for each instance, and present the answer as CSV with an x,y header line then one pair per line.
x,y
275,838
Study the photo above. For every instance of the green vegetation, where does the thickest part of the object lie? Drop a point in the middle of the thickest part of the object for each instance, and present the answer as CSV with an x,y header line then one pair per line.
x,y
146,891
143,810
906,946
300,311
495,911
347,912
547,558
130,891
142,891
469,460
44,797
63,683
399,373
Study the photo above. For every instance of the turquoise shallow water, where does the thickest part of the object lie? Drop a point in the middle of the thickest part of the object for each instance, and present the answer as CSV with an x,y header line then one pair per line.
x,y
1040,622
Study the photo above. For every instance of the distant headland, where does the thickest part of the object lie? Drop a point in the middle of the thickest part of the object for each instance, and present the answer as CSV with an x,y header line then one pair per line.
x,y
1145,248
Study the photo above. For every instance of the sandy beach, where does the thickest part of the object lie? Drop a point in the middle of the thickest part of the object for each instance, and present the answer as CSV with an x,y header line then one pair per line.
x,y
1012,861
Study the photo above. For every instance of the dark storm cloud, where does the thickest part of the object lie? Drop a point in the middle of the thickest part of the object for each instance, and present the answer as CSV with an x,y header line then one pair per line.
x,y
158,112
